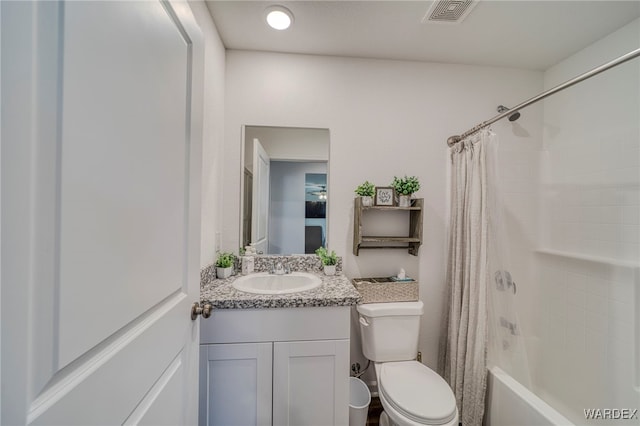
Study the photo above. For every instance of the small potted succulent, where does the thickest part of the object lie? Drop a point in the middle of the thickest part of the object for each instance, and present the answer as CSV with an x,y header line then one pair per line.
x,y
404,188
366,191
329,260
224,264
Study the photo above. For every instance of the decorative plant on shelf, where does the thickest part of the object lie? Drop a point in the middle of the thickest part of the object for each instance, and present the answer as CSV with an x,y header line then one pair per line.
x,y
329,260
404,187
366,191
224,264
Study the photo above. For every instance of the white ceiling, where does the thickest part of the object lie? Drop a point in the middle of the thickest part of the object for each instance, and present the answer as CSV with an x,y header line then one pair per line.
x,y
510,33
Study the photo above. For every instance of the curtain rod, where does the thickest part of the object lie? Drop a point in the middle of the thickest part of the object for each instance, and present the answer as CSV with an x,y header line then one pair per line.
x,y
452,140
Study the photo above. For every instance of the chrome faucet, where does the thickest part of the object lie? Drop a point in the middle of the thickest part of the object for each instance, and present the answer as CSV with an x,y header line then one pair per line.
x,y
280,268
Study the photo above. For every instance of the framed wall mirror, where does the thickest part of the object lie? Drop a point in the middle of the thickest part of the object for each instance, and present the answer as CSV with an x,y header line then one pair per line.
x,y
285,189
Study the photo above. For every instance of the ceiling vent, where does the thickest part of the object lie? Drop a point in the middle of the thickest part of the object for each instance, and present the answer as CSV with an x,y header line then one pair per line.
x,y
449,11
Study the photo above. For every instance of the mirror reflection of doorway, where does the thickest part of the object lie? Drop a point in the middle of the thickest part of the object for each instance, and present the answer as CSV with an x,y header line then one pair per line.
x,y
287,210
246,212
315,222
274,197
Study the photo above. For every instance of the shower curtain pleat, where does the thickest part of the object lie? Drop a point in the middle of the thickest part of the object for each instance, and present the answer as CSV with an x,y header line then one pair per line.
x,y
463,350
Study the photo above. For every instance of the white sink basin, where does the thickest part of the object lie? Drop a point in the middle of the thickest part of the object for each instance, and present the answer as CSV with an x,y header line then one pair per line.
x,y
265,283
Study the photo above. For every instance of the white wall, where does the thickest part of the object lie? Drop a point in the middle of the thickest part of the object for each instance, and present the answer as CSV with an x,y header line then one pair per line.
x,y
591,141
213,131
385,118
588,272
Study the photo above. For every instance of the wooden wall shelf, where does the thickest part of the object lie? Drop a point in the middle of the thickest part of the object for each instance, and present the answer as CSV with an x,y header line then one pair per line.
x,y
410,242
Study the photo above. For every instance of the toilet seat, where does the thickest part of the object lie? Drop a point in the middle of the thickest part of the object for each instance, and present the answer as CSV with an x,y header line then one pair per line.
x,y
416,392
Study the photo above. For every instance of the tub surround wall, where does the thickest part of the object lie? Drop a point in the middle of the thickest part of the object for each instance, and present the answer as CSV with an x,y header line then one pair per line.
x,y
572,220
586,333
592,154
588,268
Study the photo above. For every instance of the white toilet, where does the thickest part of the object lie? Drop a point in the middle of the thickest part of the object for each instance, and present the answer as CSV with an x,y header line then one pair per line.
x,y
411,393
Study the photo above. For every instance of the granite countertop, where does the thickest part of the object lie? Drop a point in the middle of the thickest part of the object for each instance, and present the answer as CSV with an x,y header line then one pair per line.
x,y
335,290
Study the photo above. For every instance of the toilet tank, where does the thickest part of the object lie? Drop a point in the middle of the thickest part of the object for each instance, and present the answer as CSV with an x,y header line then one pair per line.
x,y
390,331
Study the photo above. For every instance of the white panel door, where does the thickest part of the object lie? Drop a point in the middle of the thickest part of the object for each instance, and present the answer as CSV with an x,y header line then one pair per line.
x,y
101,153
311,383
235,384
260,201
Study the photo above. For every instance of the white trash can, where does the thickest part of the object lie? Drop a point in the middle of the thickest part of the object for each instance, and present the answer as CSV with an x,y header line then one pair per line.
x,y
359,400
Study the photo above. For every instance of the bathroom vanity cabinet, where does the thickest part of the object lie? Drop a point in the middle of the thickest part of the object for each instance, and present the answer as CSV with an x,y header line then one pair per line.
x,y
286,366
410,242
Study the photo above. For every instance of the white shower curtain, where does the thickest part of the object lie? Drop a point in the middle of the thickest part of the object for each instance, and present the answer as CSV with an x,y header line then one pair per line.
x,y
463,351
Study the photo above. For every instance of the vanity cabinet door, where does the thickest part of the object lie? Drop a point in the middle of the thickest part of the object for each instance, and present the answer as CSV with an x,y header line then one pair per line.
x,y
236,384
311,383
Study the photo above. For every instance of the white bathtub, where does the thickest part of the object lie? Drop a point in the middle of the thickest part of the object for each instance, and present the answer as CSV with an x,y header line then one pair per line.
x,y
511,404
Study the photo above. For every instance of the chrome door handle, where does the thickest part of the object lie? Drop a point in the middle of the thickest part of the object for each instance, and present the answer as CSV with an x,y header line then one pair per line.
x,y
196,310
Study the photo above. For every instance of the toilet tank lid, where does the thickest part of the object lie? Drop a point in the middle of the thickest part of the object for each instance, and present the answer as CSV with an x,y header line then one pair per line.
x,y
391,309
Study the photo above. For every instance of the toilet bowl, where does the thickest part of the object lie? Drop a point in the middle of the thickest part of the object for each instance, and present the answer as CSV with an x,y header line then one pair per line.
x,y
411,393
414,395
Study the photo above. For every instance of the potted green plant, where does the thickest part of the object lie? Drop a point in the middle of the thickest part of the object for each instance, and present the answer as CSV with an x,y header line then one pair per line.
x,y
404,188
366,191
329,260
224,264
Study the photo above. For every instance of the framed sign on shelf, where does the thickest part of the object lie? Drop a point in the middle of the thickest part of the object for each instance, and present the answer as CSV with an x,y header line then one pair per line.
x,y
384,196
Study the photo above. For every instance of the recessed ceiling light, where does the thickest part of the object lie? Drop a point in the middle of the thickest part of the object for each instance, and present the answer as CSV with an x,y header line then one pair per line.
x,y
278,17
